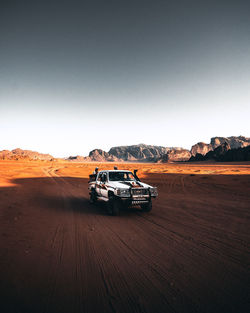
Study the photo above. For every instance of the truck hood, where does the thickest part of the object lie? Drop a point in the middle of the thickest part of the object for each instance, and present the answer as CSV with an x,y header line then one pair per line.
x,y
128,184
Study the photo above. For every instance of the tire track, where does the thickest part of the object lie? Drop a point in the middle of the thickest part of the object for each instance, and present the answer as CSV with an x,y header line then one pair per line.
x,y
68,226
111,257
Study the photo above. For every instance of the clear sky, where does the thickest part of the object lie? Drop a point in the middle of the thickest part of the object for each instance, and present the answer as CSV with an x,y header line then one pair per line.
x,y
79,75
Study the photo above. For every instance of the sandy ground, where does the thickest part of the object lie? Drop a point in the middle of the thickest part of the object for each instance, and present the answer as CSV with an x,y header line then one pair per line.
x,y
58,253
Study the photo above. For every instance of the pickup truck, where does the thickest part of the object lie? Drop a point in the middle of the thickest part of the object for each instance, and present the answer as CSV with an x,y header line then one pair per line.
x,y
120,188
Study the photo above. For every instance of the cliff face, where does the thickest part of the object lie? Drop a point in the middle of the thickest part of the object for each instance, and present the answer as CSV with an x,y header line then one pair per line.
x,y
224,153
19,154
77,158
135,153
233,142
218,153
141,152
201,148
99,155
176,156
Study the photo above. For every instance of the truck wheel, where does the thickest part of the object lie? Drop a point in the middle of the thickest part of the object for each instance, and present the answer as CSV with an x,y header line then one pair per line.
x,y
93,196
147,207
113,205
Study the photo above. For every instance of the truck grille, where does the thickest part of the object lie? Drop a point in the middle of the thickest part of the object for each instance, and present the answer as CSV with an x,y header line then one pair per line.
x,y
139,191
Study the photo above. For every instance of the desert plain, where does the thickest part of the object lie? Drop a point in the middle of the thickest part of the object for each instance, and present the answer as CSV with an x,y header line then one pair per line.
x,y
59,253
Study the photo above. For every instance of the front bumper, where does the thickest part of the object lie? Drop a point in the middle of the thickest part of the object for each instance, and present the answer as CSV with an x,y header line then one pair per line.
x,y
134,201
137,196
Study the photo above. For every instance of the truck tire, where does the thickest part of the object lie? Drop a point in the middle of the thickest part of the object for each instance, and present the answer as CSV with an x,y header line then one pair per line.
x,y
93,196
147,207
113,205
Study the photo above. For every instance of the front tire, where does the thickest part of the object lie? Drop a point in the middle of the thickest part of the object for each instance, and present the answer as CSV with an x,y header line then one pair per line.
x,y
93,196
113,205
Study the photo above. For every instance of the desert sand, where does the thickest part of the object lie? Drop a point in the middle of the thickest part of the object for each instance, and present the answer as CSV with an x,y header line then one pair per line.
x,y
59,253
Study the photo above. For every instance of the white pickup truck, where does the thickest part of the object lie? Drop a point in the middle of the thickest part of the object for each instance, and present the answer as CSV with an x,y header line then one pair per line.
x,y
120,188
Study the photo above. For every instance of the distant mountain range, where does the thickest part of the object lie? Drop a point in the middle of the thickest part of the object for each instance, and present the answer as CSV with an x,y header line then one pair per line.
x,y
19,154
160,154
140,153
219,149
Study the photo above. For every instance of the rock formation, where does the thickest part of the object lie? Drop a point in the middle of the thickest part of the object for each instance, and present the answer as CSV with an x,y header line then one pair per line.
x,y
134,153
233,142
141,152
174,155
220,148
201,148
149,153
77,158
224,153
99,155
218,153
19,154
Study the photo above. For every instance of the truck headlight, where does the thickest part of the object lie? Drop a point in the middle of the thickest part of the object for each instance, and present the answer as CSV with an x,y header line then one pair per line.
x,y
123,192
154,191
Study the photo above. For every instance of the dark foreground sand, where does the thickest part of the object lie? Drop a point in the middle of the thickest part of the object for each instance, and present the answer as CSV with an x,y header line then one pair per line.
x,y
58,253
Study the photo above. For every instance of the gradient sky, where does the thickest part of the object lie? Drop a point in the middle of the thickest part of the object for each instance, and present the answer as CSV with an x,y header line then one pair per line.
x,y
79,75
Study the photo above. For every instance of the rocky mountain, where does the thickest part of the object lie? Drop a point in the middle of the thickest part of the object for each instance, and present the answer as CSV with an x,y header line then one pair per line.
x,y
224,153
99,155
213,154
201,148
149,153
77,158
19,154
219,148
134,153
139,153
218,152
233,142
174,155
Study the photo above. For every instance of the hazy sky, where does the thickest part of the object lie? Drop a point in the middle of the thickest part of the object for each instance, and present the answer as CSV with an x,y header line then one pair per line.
x,y
79,75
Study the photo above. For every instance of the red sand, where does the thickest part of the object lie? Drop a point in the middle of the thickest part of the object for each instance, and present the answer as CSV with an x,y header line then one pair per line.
x,y
58,253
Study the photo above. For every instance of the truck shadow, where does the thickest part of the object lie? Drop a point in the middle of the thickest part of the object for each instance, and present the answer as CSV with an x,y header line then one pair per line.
x,y
59,194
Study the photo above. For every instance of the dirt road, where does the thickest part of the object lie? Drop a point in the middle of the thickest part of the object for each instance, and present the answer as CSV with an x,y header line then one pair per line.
x,y
58,253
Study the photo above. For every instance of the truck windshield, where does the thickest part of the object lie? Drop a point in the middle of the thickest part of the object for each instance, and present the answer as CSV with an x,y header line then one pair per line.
x,y
121,176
